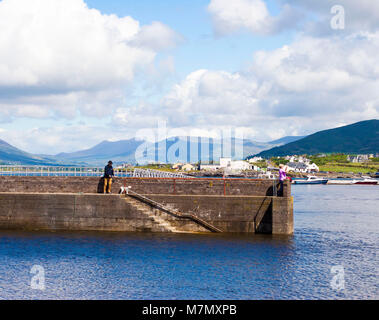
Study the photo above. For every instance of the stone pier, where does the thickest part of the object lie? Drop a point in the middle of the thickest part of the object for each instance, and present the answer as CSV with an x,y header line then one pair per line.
x,y
73,203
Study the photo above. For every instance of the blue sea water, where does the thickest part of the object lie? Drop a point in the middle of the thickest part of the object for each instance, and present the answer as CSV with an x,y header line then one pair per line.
x,y
334,226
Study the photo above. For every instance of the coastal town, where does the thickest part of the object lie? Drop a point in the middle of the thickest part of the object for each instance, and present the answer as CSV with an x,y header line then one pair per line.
x,y
331,166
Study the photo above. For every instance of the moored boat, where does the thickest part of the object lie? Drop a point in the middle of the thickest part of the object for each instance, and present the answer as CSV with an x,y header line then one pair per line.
x,y
341,182
311,180
367,181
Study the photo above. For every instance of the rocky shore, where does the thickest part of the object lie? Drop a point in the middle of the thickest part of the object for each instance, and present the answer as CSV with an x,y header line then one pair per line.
x,y
255,174
220,174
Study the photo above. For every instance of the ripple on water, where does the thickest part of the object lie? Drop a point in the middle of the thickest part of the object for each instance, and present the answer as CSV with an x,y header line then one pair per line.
x,y
334,225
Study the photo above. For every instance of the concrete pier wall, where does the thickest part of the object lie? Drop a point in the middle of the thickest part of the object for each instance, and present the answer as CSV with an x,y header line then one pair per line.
x,y
254,214
68,212
71,203
195,186
29,211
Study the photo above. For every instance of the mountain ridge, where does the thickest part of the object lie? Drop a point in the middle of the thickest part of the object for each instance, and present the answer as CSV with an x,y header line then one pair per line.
x,y
117,151
360,137
11,154
98,153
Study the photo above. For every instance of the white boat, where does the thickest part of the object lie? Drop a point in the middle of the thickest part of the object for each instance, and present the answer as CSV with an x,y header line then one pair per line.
x,y
341,181
311,180
367,180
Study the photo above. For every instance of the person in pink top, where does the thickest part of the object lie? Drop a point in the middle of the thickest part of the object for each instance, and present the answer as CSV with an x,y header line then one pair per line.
x,y
282,177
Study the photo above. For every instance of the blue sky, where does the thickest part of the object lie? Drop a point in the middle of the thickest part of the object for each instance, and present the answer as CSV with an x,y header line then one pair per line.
x,y
270,67
200,49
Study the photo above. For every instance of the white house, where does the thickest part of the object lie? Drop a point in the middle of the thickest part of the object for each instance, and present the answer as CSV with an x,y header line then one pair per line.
x,y
297,167
235,164
360,158
255,159
188,167
291,158
177,165
241,165
313,168
303,167
210,167
225,162
228,163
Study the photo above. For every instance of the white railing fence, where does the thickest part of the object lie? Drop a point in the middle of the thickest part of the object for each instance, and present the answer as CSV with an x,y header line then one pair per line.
x,y
150,173
47,171
56,171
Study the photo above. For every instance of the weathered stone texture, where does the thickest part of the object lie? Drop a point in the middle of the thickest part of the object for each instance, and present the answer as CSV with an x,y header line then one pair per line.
x,y
71,203
195,186
113,213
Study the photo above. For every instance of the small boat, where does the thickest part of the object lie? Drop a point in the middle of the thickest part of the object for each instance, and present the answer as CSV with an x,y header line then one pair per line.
x,y
367,180
311,180
341,181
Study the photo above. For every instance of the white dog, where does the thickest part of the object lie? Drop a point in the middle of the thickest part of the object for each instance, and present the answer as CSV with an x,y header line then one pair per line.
x,y
124,190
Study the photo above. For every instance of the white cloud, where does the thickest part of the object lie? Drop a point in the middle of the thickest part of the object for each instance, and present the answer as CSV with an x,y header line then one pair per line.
x,y
362,15
203,93
135,117
63,57
309,85
62,138
147,37
309,16
251,15
300,88
60,59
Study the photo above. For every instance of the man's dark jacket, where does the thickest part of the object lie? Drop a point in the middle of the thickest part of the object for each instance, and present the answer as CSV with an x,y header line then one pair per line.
x,y
108,171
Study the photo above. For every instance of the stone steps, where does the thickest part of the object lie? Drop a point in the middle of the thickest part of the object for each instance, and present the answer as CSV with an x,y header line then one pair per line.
x,y
160,220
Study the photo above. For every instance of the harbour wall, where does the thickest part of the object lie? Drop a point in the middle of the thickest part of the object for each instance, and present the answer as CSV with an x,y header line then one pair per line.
x,y
245,214
71,203
172,186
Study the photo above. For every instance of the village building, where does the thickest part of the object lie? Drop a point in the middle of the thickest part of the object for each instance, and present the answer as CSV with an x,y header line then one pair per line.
x,y
255,159
188,167
235,165
303,167
229,164
210,167
360,158
177,166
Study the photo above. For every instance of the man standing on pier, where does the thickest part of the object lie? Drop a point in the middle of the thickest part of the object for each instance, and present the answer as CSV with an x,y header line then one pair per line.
x,y
108,175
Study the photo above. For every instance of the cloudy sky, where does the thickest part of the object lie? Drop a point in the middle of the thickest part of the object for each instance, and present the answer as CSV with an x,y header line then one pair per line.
x,y
74,72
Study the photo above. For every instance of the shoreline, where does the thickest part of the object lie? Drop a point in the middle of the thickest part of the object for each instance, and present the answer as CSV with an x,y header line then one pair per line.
x,y
296,175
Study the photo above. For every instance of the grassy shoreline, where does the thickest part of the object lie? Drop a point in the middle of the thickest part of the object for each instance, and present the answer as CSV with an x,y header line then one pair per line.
x,y
348,168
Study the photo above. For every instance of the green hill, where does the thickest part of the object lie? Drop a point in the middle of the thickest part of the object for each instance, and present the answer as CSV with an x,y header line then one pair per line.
x,y
358,138
11,155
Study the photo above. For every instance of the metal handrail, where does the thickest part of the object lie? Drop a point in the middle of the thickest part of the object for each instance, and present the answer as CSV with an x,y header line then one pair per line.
x,y
172,212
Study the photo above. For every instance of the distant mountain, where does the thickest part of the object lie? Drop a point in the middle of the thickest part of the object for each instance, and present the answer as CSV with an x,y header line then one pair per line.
x,y
203,149
358,138
122,151
286,140
117,151
11,155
